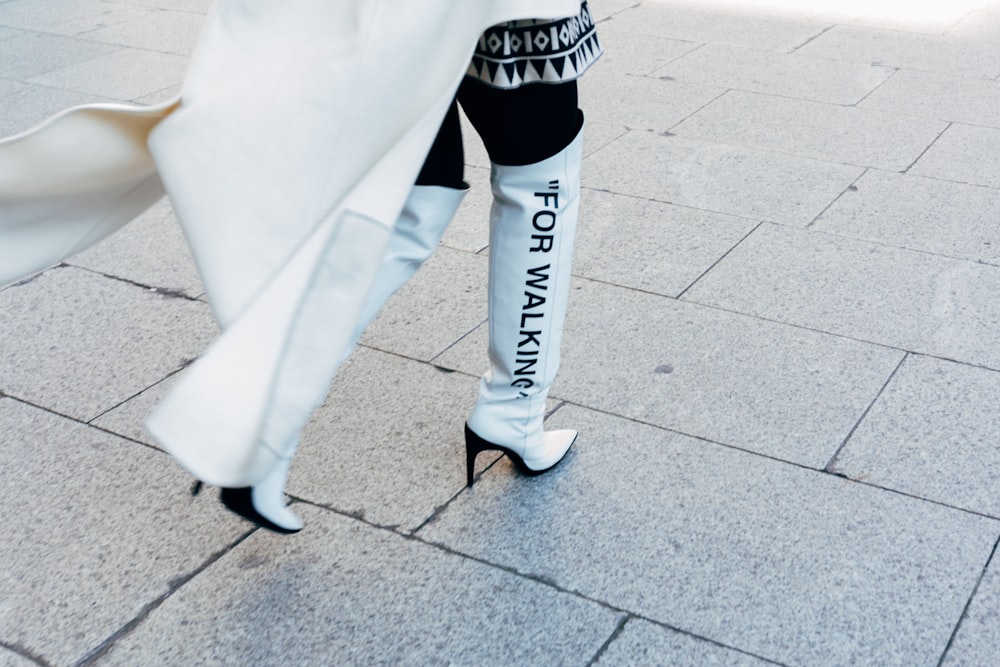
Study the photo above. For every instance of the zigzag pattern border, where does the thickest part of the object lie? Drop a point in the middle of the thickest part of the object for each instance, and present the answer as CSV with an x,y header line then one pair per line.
x,y
521,52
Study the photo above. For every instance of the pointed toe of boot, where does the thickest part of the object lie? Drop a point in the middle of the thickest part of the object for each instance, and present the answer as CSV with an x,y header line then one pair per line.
x,y
278,519
555,444
551,450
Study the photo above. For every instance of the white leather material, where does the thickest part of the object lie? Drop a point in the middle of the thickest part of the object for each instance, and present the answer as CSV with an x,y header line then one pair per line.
x,y
532,227
301,129
232,412
415,237
268,496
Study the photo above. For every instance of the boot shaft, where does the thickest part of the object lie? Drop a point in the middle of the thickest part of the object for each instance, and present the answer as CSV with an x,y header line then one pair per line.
x,y
532,228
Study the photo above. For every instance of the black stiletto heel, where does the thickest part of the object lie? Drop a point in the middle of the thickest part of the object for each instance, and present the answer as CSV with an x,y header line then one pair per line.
x,y
474,445
240,501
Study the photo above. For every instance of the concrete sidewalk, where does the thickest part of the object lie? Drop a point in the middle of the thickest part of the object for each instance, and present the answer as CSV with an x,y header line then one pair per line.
x,y
783,356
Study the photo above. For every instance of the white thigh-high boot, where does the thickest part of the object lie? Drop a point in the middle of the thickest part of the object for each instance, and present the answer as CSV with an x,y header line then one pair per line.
x,y
264,503
532,225
425,216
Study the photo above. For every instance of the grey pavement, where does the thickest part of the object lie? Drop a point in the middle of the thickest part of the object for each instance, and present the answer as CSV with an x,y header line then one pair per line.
x,y
783,357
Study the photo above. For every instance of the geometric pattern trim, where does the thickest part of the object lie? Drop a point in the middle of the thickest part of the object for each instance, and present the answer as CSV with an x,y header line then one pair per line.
x,y
512,54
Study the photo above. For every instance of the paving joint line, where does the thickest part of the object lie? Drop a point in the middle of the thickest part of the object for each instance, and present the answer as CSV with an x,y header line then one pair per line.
x,y
167,292
829,467
735,216
80,422
666,77
968,603
705,439
763,93
775,459
174,585
35,276
895,71
184,364
939,179
808,41
883,244
947,126
538,579
458,340
610,640
443,507
670,130
794,325
726,254
709,640
26,653
905,494
852,187
610,17
51,411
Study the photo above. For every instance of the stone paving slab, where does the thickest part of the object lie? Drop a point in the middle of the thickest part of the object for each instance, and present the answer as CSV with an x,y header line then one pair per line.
x,y
788,75
11,659
379,449
917,213
35,53
88,553
932,434
890,48
7,33
978,639
780,391
693,21
604,9
648,245
373,597
598,134
642,103
825,131
80,344
198,6
636,54
724,179
125,74
929,18
904,299
708,554
785,563
643,644
66,17
982,23
150,250
940,97
163,31
965,154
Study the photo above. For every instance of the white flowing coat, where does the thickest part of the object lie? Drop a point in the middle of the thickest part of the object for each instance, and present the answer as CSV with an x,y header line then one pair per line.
x,y
299,132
